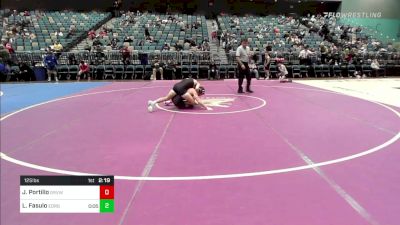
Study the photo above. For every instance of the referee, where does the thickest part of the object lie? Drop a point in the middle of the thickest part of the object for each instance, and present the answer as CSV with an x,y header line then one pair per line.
x,y
242,58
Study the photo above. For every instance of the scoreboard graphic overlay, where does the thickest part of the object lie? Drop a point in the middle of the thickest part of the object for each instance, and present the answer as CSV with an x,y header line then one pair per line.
x,y
67,194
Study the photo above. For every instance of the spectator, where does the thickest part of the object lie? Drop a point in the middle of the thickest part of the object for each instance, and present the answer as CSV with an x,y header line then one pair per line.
x,y
4,54
267,61
97,42
114,42
304,56
4,70
26,73
165,47
157,67
324,52
50,62
126,55
186,46
58,34
213,70
282,71
171,66
10,48
72,60
214,28
58,48
92,34
102,33
128,39
375,67
253,69
83,69
71,31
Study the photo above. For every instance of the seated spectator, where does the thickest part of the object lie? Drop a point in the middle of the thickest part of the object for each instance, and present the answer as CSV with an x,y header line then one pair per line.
x,y
10,48
253,69
83,69
102,33
171,66
72,60
50,63
4,70
58,34
87,47
57,47
157,67
97,42
165,47
4,54
92,34
213,70
126,55
114,42
186,46
128,39
26,72
375,66
71,31
304,56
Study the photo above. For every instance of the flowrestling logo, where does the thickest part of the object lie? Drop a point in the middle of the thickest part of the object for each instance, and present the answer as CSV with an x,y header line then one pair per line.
x,y
353,14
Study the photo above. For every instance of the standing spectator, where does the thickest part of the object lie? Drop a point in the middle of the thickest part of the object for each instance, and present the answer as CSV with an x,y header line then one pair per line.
x,y
242,58
83,69
219,34
214,28
50,62
267,61
146,32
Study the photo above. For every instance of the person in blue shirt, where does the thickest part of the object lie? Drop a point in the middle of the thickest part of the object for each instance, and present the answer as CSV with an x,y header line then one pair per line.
x,y
4,70
50,62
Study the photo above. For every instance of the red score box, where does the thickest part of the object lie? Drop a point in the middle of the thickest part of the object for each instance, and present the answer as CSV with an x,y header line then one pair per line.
x,y
106,192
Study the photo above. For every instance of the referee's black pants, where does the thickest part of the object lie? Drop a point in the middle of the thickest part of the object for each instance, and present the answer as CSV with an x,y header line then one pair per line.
x,y
242,74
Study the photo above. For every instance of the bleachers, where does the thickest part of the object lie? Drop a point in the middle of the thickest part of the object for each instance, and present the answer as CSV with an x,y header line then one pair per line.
x,y
166,33
44,25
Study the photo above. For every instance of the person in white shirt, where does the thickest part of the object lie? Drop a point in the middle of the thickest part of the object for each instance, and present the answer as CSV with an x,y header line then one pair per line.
x,y
282,71
304,55
242,58
254,70
375,66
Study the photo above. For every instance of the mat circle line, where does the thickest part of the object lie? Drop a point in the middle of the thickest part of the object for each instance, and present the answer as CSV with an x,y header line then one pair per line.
x,y
392,140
